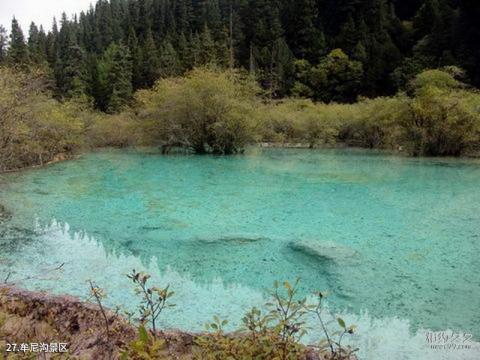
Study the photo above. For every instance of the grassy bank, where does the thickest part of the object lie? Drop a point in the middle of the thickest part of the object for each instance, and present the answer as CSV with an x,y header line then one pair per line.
x,y
210,111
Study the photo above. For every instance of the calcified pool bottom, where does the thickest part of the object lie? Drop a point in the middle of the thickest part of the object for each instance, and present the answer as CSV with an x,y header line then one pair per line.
x,y
395,241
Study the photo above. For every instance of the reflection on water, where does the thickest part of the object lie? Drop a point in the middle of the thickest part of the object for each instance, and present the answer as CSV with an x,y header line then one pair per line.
x,y
196,302
394,240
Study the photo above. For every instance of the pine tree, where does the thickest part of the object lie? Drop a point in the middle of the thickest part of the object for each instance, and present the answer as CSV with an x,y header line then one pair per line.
x,y
70,64
183,14
211,16
302,33
114,78
169,37
116,12
143,26
17,50
42,44
426,18
184,58
150,67
37,44
195,49
103,25
282,70
169,64
207,48
348,37
137,59
3,44
52,44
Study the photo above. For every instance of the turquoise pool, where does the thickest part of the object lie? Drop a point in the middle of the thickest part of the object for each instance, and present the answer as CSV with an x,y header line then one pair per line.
x,y
395,240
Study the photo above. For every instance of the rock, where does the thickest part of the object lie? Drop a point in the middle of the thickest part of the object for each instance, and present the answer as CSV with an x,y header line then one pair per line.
x,y
232,240
325,251
4,213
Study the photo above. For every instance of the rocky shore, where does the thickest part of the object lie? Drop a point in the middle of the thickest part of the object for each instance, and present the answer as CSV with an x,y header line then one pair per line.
x,y
28,317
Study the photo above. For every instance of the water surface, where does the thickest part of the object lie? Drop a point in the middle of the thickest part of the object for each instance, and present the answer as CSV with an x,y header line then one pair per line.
x,y
396,241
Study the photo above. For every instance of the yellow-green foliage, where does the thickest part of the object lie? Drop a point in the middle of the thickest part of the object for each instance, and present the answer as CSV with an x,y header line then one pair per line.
x,y
368,123
299,121
34,128
275,334
205,111
374,123
441,117
145,347
445,116
209,111
117,130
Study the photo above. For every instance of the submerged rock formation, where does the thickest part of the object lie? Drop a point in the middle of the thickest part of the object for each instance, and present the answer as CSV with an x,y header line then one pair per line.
x,y
325,251
4,213
234,239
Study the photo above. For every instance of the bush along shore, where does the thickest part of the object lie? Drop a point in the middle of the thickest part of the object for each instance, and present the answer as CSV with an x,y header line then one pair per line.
x,y
89,330
221,112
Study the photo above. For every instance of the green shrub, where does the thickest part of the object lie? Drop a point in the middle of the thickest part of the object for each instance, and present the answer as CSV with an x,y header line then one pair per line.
x,y
34,128
206,111
275,334
440,116
145,347
298,121
445,116
118,130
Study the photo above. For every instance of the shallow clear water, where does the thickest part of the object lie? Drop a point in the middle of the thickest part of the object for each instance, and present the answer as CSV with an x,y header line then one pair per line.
x,y
396,241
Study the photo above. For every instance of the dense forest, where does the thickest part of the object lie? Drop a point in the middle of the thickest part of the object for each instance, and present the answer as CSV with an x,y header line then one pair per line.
x,y
326,50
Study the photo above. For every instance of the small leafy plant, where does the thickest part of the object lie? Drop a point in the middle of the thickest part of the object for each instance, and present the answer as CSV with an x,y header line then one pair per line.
x,y
277,333
98,294
145,347
335,348
154,299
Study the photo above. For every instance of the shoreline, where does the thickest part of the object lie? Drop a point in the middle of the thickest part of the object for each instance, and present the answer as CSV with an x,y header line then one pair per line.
x,y
56,159
262,145
40,317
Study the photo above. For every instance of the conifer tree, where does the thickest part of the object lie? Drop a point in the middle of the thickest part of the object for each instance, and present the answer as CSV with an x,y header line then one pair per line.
x,y
115,74
52,44
137,59
183,14
184,58
150,64
37,44
207,48
3,44
17,50
195,50
302,33
70,65
392,39
169,64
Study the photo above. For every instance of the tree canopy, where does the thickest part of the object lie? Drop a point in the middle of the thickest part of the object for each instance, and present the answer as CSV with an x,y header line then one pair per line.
x,y
385,43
